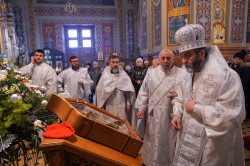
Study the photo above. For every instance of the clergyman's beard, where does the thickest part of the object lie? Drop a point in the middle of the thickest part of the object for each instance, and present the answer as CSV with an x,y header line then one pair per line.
x,y
75,67
115,70
195,66
166,68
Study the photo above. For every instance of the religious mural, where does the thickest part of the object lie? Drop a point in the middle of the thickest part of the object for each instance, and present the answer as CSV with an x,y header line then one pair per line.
x,y
107,38
49,40
219,35
79,2
178,12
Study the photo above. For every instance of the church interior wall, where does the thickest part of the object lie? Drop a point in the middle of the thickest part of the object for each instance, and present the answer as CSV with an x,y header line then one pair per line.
x,y
38,15
226,24
140,27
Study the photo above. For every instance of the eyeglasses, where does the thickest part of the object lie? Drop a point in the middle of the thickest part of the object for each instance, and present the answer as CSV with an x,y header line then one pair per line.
x,y
187,55
74,61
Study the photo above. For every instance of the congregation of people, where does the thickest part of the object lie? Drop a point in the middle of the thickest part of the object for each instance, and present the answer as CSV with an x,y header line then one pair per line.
x,y
185,116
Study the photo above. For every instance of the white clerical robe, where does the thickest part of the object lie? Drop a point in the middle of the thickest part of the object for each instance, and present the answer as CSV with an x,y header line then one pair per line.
x,y
158,143
114,92
67,82
212,135
41,75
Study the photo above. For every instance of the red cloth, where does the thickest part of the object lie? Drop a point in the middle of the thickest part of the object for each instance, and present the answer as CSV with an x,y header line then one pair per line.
x,y
63,130
247,142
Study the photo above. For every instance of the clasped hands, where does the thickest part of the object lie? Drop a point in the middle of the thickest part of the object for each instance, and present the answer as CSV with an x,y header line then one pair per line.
x,y
189,108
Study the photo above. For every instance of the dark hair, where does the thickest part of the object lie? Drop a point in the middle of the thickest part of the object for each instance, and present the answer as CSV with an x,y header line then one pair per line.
x,y
40,51
113,57
72,57
197,50
88,64
241,54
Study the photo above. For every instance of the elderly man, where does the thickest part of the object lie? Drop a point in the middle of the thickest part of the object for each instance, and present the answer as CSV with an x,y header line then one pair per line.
x,y
115,92
94,74
210,105
157,91
75,82
40,73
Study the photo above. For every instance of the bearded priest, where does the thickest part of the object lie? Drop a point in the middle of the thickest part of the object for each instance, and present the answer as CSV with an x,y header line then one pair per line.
x,y
155,111
115,92
75,81
210,105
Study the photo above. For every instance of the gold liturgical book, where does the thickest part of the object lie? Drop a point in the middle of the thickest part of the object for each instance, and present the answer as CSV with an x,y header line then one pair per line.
x,y
100,138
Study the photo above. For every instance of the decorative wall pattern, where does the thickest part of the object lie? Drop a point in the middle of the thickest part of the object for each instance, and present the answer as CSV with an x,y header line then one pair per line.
x,y
122,28
219,12
79,2
248,23
157,22
107,38
59,11
49,35
32,27
19,24
177,16
110,13
203,17
238,21
144,24
130,33
130,1
59,23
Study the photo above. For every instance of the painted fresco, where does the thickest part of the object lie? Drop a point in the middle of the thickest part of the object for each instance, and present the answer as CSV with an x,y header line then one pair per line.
x,y
49,40
107,38
175,23
178,12
79,2
219,35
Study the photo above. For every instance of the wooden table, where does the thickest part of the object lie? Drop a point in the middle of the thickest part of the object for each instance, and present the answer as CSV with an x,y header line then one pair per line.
x,y
81,151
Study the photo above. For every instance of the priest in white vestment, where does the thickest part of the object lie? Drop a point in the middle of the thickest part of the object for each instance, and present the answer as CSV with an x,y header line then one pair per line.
x,y
154,104
40,73
75,81
210,108
115,92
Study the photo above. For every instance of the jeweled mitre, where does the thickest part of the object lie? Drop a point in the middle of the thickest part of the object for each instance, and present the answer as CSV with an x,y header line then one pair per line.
x,y
190,37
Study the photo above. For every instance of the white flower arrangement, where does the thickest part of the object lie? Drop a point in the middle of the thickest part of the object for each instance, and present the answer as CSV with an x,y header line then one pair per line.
x,y
38,123
2,77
